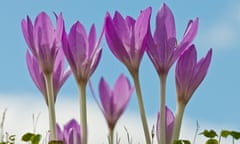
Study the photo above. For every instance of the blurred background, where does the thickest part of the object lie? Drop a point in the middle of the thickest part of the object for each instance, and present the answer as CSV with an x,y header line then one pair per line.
x,y
215,104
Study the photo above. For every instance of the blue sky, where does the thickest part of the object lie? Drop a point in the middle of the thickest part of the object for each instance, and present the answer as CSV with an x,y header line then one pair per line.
x,y
215,101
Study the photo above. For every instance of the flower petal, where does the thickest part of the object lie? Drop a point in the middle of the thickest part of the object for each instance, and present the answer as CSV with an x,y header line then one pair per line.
x,y
44,23
114,41
200,71
92,40
105,96
122,92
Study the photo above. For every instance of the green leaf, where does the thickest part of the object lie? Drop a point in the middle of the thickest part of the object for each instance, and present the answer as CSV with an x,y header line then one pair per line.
x,y
186,142
27,137
235,134
36,139
211,141
181,142
209,134
225,133
56,142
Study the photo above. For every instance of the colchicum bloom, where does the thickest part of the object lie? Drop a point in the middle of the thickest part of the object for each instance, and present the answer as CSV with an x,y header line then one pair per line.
x,y
82,51
43,40
163,49
44,43
70,133
83,55
59,74
114,101
125,37
169,123
189,73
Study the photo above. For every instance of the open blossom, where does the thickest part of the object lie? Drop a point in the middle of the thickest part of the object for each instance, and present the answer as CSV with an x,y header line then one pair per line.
x,y
81,50
114,101
43,39
169,123
125,37
70,133
59,74
189,73
163,49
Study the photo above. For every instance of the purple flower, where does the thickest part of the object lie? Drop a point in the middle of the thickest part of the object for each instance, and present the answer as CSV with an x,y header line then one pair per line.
x,y
163,49
169,123
82,51
70,133
59,74
125,37
114,101
43,40
189,73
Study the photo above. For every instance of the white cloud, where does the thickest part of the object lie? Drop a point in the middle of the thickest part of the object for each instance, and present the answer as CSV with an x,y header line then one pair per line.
x,y
223,31
20,110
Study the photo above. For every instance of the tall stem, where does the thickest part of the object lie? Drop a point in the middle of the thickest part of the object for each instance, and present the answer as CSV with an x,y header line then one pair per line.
x,y
135,76
178,121
162,128
83,111
111,136
51,106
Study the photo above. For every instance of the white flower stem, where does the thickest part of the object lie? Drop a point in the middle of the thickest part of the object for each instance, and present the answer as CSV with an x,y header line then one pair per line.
x,y
135,76
111,136
83,111
51,106
178,121
162,126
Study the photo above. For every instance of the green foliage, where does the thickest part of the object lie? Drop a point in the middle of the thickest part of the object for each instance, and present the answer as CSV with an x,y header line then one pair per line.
x,y
181,142
31,137
209,133
235,134
56,142
211,141
9,139
225,133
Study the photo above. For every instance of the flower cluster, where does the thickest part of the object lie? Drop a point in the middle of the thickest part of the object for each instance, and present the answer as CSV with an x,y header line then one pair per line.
x,y
128,39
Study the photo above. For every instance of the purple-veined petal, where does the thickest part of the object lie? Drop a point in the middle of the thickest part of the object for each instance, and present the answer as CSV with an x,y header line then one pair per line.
x,y
27,29
169,119
36,74
95,61
165,37
189,34
141,29
70,133
130,21
78,43
105,96
92,40
114,41
184,69
44,23
200,71
122,92
59,133
59,27
68,53
74,137
122,28
190,73
165,26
